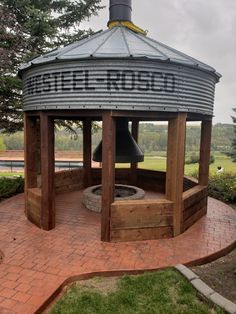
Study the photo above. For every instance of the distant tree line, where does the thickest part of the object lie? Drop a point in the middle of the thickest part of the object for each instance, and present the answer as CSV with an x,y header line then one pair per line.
x,y
152,139
232,153
29,28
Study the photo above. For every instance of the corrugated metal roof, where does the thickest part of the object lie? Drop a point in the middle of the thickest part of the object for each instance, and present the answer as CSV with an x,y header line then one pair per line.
x,y
118,42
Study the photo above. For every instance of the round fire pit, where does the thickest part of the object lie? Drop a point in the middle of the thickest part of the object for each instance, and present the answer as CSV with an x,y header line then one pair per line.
x,y
92,195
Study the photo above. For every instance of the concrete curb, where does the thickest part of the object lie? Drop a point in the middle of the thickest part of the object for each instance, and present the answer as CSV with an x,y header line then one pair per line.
x,y
206,291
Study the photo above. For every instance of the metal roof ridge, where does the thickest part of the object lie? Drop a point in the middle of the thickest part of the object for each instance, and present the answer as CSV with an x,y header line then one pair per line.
x,y
66,48
125,40
196,61
83,42
144,39
104,41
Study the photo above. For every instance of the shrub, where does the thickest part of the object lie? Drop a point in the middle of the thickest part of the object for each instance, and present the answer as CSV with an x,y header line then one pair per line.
x,y
194,159
10,186
212,159
223,187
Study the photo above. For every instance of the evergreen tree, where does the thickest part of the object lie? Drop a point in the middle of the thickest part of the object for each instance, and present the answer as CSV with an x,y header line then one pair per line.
x,y
233,153
29,28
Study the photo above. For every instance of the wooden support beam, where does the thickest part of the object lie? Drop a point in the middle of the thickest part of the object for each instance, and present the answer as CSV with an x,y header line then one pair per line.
x,y
30,155
38,149
134,165
30,134
175,168
76,114
108,172
96,115
87,155
47,172
144,115
205,151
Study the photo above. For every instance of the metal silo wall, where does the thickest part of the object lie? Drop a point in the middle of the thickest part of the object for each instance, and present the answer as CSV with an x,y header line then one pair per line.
x,y
119,85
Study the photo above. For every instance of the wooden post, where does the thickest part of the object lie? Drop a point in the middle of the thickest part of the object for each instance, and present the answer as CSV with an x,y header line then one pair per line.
x,y
175,168
30,158
108,173
30,134
134,165
87,145
205,151
47,172
38,148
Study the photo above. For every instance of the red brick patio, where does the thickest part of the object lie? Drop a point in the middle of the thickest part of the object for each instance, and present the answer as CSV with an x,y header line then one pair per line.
x,y
36,263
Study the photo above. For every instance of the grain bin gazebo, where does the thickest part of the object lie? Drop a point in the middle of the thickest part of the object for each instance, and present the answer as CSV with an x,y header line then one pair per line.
x,y
115,75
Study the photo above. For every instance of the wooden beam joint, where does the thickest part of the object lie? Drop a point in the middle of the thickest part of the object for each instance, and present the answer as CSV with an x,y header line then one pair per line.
x,y
47,172
108,173
175,167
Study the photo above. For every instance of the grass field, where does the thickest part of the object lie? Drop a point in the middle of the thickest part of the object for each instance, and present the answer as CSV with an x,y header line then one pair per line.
x,y
159,163
11,174
163,292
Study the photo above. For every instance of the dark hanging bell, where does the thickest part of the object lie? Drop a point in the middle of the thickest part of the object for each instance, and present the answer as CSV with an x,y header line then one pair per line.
x,y
127,150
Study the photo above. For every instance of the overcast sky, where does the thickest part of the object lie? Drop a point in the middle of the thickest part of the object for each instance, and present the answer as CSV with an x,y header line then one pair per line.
x,y
203,29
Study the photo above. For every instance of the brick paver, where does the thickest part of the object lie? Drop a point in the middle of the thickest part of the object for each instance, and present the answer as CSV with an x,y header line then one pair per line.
x,y
37,263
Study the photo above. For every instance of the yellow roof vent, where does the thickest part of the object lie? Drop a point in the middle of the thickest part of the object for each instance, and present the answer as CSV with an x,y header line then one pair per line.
x,y
120,15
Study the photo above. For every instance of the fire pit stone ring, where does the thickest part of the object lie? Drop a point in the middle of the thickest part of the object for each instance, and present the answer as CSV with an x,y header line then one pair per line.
x,y
92,195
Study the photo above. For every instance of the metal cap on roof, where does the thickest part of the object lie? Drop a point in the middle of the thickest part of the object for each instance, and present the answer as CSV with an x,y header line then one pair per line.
x,y
120,10
118,42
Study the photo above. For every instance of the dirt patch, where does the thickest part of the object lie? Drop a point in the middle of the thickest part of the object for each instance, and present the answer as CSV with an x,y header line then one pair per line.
x,y
102,284
220,275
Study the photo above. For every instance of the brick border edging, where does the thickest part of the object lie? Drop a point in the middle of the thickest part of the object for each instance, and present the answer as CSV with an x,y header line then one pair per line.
x,y
207,292
111,273
212,257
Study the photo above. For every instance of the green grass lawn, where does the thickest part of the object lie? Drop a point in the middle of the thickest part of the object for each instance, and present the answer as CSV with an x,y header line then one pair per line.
x,y
11,174
159,163
164,292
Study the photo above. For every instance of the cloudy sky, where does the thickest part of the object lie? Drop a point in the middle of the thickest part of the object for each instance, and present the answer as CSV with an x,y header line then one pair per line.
x,y
203,29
